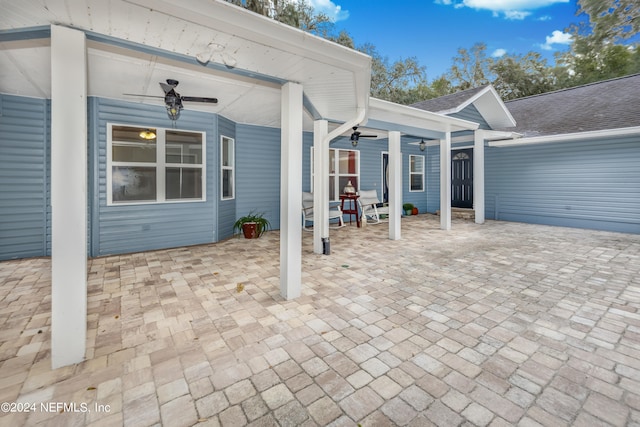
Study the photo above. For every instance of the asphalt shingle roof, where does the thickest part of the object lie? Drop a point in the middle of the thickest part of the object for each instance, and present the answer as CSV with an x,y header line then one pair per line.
x,y
610,104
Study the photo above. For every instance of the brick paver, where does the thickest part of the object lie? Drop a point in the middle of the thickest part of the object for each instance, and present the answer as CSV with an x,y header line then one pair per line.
x,y
488,325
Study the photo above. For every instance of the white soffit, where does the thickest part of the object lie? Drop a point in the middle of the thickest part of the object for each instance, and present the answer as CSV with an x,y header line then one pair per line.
x,y
335,79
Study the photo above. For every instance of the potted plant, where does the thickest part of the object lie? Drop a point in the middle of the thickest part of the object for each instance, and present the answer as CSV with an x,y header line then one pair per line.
x,y
252,225
407,208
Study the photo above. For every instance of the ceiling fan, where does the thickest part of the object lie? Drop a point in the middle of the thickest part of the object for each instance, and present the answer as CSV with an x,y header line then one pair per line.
x,y
173,100
355,136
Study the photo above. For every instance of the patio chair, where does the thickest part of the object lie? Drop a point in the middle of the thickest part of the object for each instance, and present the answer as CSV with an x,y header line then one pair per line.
x,y
371,207
335,213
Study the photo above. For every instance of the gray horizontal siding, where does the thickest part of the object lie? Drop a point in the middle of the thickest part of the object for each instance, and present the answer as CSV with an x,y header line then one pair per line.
x,y
589,184
122,229
23,177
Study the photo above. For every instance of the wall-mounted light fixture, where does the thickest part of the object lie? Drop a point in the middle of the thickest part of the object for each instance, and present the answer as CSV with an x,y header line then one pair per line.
x,y
422,145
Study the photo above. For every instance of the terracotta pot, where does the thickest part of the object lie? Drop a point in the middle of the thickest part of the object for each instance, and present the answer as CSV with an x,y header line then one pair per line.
x,y
414,211
250,230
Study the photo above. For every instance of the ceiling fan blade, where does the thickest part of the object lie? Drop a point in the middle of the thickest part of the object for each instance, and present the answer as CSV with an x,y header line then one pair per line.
x,y
146,96
200,99
368,136
166,88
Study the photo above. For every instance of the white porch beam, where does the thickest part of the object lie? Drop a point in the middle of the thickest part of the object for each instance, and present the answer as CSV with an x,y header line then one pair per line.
x,y
68,196
395,186
478,176
445,182
291,191
320,184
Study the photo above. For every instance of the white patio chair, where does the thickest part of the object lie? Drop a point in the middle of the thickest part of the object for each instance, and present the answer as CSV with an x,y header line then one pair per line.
x,y
371,207
335,213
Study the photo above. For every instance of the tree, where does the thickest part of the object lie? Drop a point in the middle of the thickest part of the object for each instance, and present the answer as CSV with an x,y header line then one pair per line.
x,y
598,51
612,20
295,13
518,76
471,68
401,81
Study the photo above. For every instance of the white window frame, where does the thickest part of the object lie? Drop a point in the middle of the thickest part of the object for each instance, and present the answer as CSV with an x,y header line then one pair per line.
x,y
160,165
231,167
336,168
412,173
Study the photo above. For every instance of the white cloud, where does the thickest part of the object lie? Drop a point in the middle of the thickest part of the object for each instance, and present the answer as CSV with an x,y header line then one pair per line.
x,y
329,8
516,15
498,53
557,37
511,9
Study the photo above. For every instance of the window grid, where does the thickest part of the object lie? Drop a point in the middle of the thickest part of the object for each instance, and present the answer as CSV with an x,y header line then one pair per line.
x,y
227,168
158,181
416,173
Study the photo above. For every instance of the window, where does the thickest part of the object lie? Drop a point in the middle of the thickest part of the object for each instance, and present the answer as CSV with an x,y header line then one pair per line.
x,y
227,156
169,167
416,173
344,166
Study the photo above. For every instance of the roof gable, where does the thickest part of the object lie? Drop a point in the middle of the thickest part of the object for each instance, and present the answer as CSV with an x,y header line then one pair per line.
x,y
485,99
609,104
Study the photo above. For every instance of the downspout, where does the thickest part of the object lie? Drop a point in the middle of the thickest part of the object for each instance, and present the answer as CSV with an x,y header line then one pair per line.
x,y
321,196
357,120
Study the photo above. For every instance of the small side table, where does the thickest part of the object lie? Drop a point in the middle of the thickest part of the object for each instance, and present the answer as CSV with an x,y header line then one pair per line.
x,y
350,207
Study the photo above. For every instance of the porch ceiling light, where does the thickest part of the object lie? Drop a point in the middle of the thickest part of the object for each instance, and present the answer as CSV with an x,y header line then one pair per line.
x,y
148,134
422,144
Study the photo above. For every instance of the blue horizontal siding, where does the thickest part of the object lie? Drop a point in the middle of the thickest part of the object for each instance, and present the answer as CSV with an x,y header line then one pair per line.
x,y
23,177
258,172
587,184
133,228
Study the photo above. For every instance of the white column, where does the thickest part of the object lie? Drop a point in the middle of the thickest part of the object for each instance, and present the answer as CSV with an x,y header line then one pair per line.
x,y
395,186
445,182
291,191
478,175
320,184
68,196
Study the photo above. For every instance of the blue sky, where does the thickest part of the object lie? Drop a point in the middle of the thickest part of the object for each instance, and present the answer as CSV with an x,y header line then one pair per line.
x,y
433,30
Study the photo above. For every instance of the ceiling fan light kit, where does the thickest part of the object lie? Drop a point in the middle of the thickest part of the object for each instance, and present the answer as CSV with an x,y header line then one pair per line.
x,y
355,136
173,100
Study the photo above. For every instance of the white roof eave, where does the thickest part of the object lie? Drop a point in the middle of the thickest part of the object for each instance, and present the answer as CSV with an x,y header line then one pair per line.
x,y
381,111
267,32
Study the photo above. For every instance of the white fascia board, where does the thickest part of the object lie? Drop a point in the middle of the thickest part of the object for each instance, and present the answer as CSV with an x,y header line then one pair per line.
x,y
487,135
390,111
228,18
568,137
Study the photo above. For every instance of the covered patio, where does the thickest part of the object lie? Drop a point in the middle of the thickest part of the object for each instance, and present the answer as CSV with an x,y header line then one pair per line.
x,y
499,324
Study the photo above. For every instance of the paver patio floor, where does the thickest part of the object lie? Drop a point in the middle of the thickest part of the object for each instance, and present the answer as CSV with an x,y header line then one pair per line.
x,y
496,324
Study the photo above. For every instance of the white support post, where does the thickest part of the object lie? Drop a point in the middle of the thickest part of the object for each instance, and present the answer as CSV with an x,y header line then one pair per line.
x,y
395,186
478,176
68,196
291,191
320,184
445,182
